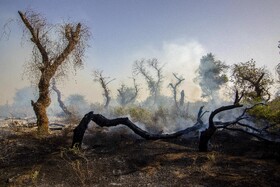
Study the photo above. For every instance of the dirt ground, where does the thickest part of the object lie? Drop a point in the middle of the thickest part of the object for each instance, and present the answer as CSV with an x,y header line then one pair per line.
x,y
119,158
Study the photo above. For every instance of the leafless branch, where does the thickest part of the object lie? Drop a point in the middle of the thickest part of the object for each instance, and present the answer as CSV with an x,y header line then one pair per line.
x,y
174,88
103,81
154,82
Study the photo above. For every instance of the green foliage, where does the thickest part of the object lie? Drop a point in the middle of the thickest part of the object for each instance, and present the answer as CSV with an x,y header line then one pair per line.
x,y
136,113
270,112
254,82
155,119
127,95
211,75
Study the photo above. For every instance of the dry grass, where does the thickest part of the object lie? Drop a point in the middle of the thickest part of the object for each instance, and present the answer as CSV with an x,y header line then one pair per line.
x,y
27,160
78,163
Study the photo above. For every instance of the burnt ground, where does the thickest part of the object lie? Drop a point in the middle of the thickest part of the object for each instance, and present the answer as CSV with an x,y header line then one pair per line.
x,y
118,158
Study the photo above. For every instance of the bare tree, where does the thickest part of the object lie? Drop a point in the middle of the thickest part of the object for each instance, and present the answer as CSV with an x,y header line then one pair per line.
x,y
154,82
128,95
103,81
52,52
174,88
59,100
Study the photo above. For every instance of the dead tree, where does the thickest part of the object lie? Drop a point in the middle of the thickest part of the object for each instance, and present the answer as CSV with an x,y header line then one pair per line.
x,y
60,102
154,82
182,98
51,54
237,124
103,81
128,95
174,88
104,122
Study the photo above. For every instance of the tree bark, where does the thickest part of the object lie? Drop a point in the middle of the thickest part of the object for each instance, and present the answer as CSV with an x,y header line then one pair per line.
x,y
42,118
40,106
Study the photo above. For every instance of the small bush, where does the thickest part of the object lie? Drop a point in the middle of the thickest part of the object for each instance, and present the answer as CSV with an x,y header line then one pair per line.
x,y
269,112
136,114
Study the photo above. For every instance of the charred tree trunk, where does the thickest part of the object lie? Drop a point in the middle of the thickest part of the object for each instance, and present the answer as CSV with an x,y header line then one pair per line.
x,y
80,130
206,135
182,98
104,122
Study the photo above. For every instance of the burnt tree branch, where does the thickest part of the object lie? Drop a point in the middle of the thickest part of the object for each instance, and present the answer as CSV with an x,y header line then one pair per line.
x,y
208,133
102,121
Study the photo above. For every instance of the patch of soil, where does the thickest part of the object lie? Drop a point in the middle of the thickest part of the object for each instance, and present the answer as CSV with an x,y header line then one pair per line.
x,y
119,158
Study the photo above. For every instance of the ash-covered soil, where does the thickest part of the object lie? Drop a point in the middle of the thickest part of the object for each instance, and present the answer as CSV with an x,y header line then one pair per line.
x,y
116,157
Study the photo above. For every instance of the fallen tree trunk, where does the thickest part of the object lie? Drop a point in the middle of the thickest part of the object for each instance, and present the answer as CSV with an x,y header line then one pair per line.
x,y
235,125
205,136
102,121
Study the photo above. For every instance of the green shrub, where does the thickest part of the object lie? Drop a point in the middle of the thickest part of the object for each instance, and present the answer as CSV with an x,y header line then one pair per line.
x,y
269,112
136,114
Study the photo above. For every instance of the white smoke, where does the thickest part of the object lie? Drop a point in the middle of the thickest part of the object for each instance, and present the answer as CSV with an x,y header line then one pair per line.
x,y
181,57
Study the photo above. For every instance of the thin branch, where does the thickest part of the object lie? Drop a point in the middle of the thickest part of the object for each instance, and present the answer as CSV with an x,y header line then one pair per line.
x,y
69,48
35,37
251,134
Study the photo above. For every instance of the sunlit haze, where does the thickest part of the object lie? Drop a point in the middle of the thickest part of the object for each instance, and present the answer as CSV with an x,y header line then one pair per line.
x,y
178,33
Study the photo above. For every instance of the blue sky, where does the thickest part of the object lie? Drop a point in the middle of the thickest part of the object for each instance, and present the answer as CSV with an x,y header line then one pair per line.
x,y
177,32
